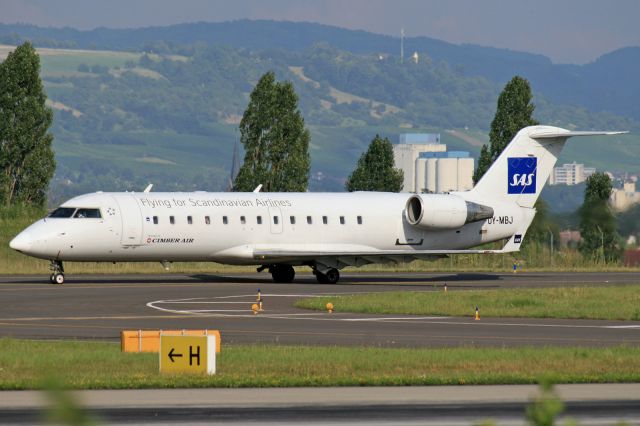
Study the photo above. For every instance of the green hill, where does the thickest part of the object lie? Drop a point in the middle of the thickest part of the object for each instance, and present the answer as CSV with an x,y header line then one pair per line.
x,y
124,119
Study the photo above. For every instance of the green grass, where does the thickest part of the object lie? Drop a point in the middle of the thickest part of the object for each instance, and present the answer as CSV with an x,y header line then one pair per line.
x,y
610,302
98,365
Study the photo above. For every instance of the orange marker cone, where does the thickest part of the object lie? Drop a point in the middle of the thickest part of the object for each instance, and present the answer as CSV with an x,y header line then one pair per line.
x,y
254,308
330,307
477,314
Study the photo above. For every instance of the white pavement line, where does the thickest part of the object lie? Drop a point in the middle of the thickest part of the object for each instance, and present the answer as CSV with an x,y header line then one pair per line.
x,y
426,320
393,319
217,303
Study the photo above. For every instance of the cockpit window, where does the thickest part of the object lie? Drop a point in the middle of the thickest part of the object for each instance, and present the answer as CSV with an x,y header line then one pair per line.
x,y
88,213
62,212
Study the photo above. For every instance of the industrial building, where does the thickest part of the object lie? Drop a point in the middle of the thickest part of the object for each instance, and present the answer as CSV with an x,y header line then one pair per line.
x,y
570,174
622,199
429,167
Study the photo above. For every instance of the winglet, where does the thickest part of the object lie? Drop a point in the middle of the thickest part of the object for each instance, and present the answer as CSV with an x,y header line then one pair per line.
x,y
148,188
258,188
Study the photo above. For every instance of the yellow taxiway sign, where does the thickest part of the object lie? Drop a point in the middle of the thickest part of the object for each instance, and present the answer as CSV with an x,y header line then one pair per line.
x,y
188,354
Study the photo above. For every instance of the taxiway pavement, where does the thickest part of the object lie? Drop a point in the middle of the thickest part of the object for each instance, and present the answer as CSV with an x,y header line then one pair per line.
x,y
100,306
437,405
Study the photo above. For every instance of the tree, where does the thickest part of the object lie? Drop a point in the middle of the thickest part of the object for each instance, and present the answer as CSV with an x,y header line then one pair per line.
x,y
597,222
376,169
484,162
541,226
276,143
26,158
514,112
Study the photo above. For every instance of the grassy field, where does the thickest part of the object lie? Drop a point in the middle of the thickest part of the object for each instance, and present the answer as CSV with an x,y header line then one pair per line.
x,y
612,303
98,365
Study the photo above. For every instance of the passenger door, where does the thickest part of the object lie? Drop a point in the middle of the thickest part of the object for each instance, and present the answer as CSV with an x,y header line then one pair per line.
x,y
131,217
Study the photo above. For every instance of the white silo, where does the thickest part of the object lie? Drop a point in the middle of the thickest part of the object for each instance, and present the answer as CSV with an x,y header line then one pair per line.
x,y
447,175
465,174
420,184
430,175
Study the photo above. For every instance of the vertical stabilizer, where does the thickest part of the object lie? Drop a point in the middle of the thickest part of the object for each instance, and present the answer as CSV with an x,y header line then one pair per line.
x,y
523,168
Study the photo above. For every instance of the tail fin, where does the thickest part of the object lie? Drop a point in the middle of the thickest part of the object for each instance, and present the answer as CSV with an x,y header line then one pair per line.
x,y
522,169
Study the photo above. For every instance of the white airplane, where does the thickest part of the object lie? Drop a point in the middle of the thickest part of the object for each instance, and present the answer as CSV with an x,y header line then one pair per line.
x,y
325,231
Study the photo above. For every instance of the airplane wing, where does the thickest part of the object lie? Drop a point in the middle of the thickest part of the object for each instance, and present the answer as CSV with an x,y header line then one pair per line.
x,y
355,258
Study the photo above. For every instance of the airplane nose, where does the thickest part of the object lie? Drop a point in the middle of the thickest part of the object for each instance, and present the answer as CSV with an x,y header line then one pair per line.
x,y
22,242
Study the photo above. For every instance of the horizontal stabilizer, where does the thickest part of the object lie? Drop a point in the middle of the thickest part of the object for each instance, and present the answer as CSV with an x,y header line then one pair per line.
x,y
554,135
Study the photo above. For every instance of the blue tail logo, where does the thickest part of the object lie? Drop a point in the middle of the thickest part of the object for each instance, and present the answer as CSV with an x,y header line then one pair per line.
x,y
522,175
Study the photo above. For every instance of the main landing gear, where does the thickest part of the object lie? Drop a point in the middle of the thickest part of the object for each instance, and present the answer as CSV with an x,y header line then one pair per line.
x,y
286,273
57,275
282,273
331,276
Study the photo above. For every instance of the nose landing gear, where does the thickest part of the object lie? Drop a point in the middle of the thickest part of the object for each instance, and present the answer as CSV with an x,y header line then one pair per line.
x,y
57,275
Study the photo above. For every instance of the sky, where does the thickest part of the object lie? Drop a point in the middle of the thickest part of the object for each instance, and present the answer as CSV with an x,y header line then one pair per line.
x,y
567,31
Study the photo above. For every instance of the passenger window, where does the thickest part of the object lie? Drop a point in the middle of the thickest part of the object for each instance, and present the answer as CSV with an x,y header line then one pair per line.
x,y
325,220
87,214
207,220
276,220
309,220
292,219
62,212
341,220
172,220
259,220
190,220
243,220
155,220
225,220
359,220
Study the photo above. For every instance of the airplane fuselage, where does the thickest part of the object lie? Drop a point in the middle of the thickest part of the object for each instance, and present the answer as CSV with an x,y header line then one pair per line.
x,y
229,227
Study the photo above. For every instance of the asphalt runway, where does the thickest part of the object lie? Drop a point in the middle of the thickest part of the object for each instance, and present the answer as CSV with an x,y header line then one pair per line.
x,y
100,306
599,404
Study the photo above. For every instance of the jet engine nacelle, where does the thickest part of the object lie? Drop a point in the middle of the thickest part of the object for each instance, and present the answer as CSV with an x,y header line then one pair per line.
x,y
444,211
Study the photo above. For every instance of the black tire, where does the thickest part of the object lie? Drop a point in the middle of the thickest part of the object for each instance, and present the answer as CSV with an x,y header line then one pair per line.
x,y
282,273
331,277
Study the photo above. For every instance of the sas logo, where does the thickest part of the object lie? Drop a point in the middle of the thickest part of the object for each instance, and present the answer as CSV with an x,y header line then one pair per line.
x,y
522,175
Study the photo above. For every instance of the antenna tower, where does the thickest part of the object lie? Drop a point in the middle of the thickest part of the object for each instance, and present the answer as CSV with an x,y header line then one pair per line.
x,y
401,45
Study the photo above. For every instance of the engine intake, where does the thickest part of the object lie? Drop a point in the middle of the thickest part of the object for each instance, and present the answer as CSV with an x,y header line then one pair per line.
x,y
444,211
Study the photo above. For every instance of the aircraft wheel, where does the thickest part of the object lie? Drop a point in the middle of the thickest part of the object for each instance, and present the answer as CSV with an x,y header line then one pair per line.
x,y
331,277
52,278
283,273
58,279
322,278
